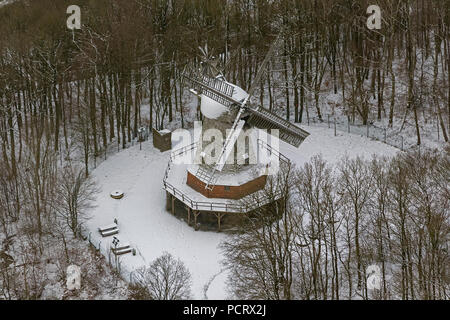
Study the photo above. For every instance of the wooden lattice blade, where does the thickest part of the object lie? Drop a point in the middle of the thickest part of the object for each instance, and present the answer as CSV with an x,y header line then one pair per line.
x,y
288,132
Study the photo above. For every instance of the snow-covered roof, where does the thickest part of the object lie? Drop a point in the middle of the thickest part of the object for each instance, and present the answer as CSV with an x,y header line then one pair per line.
x,y
213,109
239,94
246,174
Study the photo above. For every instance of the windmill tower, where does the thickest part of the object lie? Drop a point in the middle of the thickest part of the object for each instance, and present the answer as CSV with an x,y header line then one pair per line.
x,y
229,169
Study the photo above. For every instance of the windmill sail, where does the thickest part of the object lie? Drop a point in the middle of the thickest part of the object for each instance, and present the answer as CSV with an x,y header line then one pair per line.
x,y
265,119
213,88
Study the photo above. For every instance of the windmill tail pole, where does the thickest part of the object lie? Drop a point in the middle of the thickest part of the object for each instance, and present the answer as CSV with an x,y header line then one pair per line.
x,y
262,68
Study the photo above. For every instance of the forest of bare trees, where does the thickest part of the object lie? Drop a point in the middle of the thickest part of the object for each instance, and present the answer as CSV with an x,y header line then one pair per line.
x,y
67,96
392,213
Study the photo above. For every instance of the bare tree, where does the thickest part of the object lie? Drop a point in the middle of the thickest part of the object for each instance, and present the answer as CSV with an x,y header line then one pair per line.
x,y
317,224
354,183
260,257
165,279
76,194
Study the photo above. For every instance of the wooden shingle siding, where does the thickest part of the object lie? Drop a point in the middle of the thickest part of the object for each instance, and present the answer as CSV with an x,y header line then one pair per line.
x,y
226,192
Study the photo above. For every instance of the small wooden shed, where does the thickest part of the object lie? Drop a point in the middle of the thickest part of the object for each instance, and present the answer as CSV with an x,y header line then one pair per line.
x,y
162,139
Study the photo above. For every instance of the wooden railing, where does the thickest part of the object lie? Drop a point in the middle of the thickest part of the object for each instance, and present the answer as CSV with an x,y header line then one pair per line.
x,y
246,206
183,150
271,150
220,206
176,153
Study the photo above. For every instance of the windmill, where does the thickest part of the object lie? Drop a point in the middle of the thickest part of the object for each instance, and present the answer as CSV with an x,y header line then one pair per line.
x,y
237,102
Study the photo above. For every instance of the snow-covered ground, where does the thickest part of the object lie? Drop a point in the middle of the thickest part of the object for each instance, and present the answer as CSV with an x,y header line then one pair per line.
x,y
142,218
334,148
145,224
5,2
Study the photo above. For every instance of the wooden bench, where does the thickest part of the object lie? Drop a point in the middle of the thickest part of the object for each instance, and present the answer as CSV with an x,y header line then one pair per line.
x,y
122,249
109,230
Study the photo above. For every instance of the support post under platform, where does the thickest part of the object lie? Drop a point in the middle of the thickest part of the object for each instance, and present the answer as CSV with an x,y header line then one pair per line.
x,y
196,213
173,205
219,216
168,201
